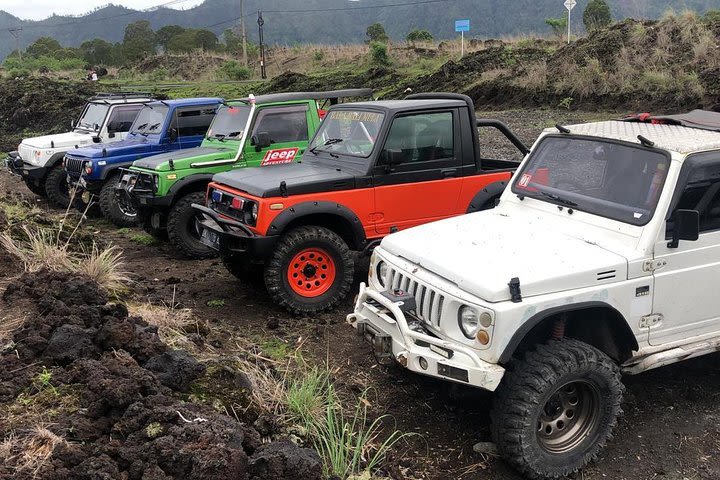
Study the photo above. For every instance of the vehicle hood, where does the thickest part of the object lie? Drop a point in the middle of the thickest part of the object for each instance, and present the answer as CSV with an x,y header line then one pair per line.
x,y
182,158
62,141
482,252
128,146
299,178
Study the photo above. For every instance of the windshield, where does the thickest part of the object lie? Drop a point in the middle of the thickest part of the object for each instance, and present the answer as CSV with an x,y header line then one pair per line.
x,y
350,132
609,179
229,122
94,116
150,119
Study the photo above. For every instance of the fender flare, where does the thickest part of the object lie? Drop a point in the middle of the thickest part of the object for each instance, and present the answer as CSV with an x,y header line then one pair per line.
x,y
300,210
189,180
539,317
481,200
55,159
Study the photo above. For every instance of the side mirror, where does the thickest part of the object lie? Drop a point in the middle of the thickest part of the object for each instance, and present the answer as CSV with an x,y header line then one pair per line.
x,y
172,135
111,131
686,226
393,158
261,140
96,127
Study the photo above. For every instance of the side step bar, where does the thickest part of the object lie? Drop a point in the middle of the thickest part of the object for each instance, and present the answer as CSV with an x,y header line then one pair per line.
x,y
668,357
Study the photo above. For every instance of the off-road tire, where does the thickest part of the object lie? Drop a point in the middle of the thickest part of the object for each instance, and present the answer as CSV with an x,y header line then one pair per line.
x,y
246,272
181,228
528,389
36,189
56,187
111,207
290,245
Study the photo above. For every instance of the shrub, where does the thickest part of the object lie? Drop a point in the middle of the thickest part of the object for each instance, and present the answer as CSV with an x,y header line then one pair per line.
x,y
319,55
159,74
376,33
558,25
379,54
419,36
232,70
597,15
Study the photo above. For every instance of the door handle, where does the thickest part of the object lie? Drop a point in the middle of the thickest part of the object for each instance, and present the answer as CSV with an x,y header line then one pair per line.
x,y
449,172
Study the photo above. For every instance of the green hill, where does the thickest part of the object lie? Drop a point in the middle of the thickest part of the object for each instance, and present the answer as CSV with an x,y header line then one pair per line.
x,y
319,21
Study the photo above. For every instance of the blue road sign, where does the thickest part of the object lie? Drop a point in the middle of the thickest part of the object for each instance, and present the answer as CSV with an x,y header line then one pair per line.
x,y
462,25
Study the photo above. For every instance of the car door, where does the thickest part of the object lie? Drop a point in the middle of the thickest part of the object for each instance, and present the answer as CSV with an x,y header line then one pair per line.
x,y
424,181
192,124
686,286
288,128
120,120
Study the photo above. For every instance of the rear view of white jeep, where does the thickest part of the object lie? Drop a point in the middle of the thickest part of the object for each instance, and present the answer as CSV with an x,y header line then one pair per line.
x,y
106,118
601,259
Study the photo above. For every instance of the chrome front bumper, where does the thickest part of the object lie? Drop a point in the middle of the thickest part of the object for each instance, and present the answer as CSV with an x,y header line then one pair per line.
x,y
383,323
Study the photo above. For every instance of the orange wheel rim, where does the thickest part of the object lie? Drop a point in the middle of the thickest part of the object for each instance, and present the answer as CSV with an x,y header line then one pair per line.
x,y
311,272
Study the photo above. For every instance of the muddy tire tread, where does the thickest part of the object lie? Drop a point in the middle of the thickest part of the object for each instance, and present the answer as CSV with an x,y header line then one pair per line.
x,y
519,396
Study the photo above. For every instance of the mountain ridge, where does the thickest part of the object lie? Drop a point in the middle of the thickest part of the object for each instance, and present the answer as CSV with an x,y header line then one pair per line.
x,y
323,23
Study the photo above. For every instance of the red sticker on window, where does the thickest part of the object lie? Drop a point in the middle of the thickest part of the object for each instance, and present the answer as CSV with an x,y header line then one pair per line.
x,y
280,156
525,180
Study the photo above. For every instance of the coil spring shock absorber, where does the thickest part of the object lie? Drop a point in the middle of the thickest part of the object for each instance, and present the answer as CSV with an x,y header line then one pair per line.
x,y
558,330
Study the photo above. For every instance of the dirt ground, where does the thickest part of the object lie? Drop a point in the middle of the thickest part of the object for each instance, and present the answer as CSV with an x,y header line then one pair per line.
x,y
671,426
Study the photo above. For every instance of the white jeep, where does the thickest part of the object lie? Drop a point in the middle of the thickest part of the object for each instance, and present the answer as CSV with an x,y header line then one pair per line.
x,y
601,259
107,117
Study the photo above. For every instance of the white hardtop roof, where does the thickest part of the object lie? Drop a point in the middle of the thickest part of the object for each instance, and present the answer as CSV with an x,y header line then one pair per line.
x,y
120,101
674,138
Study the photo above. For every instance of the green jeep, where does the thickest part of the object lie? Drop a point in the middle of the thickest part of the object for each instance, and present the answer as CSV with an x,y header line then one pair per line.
x,y
251,132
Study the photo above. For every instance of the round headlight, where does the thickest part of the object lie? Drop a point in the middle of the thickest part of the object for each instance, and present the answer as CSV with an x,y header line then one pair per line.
x,y
469,321
382,271
254,212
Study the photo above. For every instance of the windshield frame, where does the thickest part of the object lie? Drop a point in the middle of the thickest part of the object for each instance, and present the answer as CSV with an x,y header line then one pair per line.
x,y
523,193
100,125
320,148
236,138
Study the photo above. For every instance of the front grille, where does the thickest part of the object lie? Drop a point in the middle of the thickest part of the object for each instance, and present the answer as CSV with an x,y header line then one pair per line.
x,y
74,165
25,152
429,302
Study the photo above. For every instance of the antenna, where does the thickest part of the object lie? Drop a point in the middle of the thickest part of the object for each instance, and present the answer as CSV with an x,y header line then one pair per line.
x,y
15,32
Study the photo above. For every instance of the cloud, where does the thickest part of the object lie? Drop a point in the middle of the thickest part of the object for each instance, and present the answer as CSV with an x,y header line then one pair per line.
x,y
40,9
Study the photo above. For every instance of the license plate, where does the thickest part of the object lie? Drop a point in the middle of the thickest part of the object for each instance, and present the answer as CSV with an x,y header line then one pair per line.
x,y
210,238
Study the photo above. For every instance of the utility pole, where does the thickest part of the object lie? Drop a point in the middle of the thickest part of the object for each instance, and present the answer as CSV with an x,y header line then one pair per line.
x,y
260,23
243,33
15,32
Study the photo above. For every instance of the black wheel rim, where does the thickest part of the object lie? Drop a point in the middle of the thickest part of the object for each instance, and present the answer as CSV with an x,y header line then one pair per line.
x,y
569,417
125,206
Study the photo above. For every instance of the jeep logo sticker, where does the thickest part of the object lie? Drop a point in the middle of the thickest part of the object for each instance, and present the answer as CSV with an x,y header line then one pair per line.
x,y
279,156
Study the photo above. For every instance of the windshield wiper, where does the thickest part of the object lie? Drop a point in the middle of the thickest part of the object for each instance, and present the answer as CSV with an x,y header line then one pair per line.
x,y
140,127
330,141
153,126
235,134
559,199
219,136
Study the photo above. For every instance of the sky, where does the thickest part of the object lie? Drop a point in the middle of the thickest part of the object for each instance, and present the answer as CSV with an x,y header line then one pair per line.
x,y
40,9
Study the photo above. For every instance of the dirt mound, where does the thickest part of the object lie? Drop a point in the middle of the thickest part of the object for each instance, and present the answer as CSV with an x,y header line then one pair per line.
x,y
377,78
186,67
117,388
43,105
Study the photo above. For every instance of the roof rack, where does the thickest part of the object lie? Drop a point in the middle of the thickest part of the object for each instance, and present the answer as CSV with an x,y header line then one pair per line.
x,y
120,95
330,95
700,119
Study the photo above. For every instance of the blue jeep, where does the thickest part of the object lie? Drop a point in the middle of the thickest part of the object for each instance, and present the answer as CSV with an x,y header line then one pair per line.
x,y
160,127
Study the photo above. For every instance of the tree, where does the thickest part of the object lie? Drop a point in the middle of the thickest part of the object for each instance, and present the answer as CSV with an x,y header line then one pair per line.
x,y
376,33
206,40
558,25
98,51
139,40
44,46
597,15
165,34
419,36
